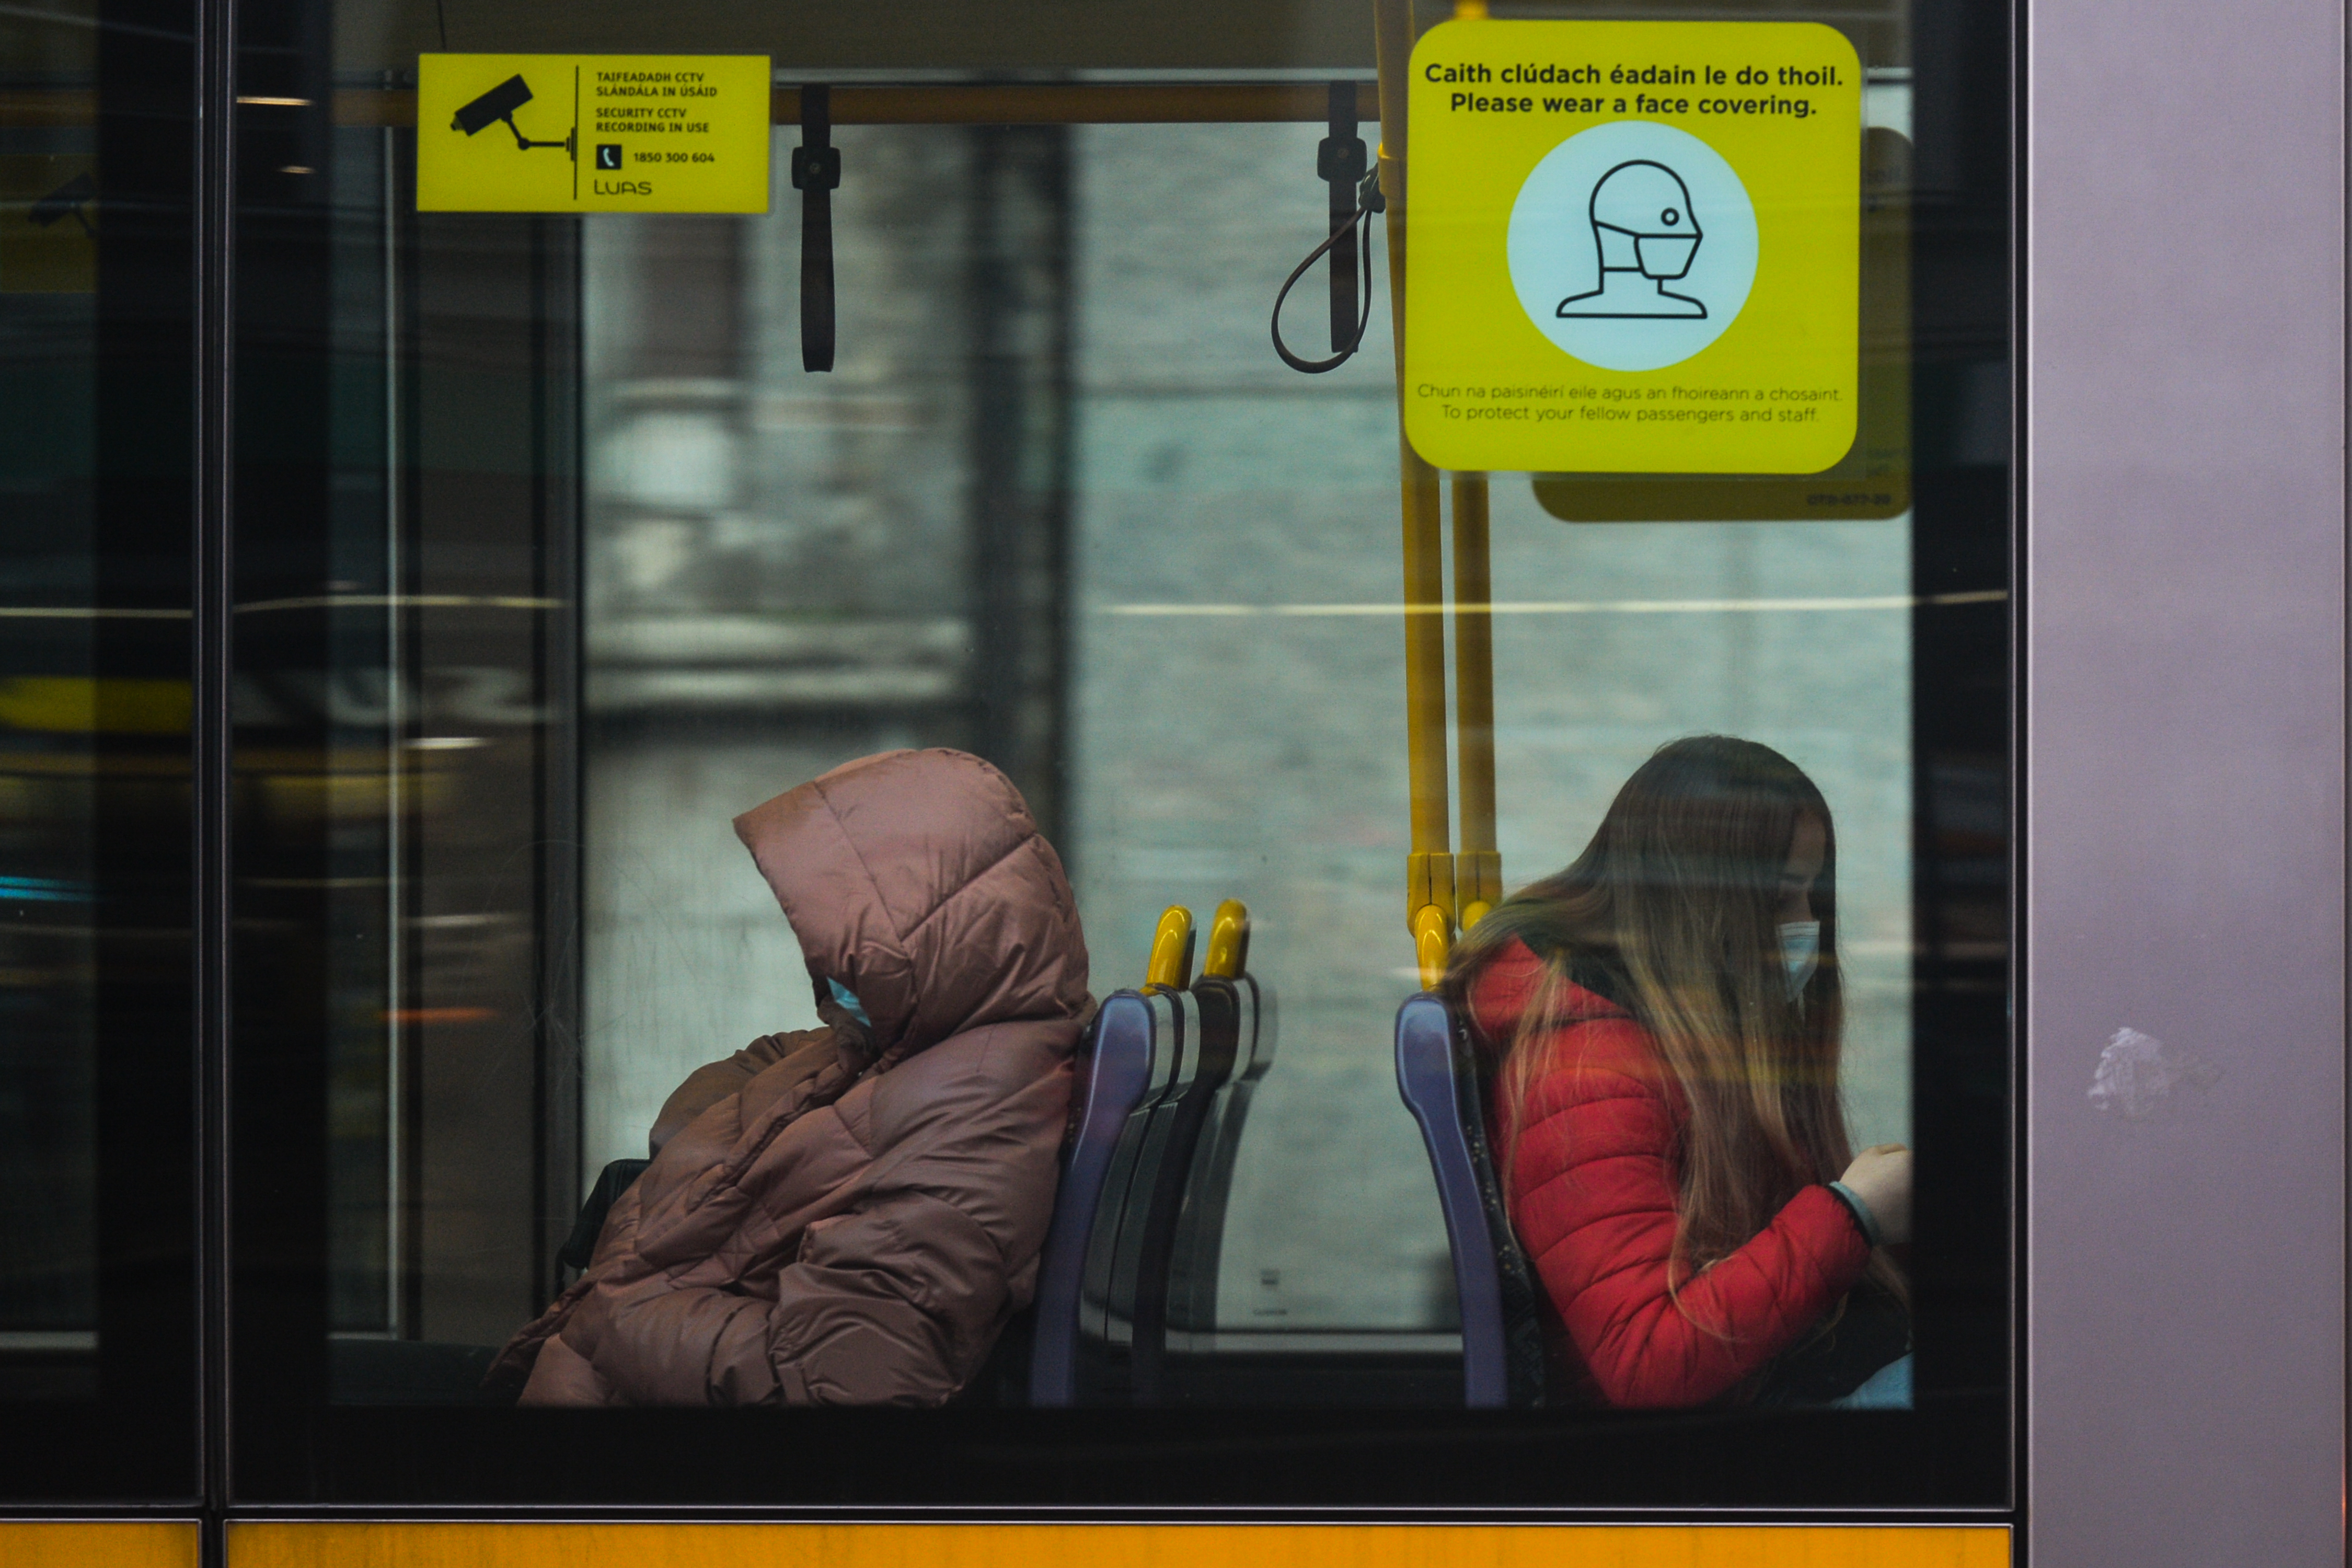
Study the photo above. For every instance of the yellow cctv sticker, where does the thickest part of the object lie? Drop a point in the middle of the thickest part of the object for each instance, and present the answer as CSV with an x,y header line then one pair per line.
x,y
1633,246
584,133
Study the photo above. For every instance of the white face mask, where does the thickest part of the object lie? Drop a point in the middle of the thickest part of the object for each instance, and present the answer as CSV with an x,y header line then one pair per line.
x,y
1801,950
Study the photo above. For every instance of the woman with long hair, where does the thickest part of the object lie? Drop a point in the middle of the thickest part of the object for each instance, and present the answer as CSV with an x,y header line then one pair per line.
x,y
1661,1021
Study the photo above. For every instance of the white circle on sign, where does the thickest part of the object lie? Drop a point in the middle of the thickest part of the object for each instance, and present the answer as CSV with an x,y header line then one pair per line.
x,y
1632,244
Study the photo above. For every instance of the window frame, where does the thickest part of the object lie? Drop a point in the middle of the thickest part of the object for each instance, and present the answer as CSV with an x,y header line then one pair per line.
x,y
291,1447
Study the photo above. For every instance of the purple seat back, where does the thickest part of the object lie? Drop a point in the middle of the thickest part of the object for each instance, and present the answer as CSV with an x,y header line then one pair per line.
x,y
1502,1343
1115,1074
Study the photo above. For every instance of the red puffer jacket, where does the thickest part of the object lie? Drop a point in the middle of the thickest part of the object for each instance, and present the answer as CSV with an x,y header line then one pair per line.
x,y
1592,1188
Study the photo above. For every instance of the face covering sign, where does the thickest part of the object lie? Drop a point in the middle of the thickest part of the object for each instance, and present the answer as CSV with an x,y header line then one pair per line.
x,y
1632,247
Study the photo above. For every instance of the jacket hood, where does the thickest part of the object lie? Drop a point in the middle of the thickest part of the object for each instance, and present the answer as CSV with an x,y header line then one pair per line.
x,y
919,880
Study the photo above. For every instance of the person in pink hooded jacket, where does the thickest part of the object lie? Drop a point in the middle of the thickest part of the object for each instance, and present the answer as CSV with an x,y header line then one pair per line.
x,y
852,1214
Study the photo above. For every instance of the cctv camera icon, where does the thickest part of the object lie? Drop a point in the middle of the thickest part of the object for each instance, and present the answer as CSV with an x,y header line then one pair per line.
x,y
1646,234
497,107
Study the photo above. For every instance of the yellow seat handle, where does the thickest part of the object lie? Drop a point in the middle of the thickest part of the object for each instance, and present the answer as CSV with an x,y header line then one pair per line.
x,y
1432,943
1170,966
1229,934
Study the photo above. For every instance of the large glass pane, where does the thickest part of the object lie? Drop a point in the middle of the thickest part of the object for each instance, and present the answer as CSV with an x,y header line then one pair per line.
x,y
97,1036
558,558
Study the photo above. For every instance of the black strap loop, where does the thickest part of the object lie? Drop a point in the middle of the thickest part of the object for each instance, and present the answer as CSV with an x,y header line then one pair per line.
x,y
1339,160
1368,201
816,173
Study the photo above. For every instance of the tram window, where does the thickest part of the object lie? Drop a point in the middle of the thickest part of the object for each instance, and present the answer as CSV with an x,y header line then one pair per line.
x,y
56,747
781,573
97,1293
54,741
609,568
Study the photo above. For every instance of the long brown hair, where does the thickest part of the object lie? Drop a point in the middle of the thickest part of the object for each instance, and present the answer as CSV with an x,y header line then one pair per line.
x,y
1675,907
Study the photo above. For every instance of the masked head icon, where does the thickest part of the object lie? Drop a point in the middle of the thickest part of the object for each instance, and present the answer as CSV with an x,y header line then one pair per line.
x,y
1647,234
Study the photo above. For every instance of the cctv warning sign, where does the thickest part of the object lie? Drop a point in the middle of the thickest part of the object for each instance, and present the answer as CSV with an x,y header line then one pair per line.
x,y
1632,247
561,133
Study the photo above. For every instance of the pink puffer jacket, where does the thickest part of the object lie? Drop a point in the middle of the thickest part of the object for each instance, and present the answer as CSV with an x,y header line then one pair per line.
x,y
850,1215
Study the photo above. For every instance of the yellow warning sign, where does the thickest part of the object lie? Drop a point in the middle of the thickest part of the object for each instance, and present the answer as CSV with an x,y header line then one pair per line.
x,y
618,133
1873,480
1633,246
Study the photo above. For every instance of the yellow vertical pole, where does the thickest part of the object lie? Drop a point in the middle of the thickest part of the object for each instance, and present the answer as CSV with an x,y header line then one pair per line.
x,y
1429,867
1477,864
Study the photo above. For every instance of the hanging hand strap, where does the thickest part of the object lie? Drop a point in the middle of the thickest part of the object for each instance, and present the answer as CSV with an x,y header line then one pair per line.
x,y
816,172
1369,201
1340,162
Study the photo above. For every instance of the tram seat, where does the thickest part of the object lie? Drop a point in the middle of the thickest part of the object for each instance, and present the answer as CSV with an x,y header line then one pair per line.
x,y
1502,1336
1135,1185
1123,1254
1166,1175
580,1247
1195,1259
1126,1065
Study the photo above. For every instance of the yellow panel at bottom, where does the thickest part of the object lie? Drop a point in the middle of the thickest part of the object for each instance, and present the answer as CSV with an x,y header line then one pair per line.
x,y
287,1545
111,1544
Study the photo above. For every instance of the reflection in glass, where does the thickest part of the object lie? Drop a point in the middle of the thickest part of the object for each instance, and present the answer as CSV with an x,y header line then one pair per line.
x,y
1058,506
72,723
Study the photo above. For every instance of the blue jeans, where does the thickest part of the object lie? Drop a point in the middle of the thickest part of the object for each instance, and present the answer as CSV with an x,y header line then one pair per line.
x,y
1888,1388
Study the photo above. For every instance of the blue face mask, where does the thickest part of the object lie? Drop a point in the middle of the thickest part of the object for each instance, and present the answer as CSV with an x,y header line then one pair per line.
x,y
1801,950
849,1002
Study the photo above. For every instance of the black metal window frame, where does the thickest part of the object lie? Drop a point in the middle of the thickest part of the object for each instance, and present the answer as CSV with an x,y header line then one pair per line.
x,y
214,1382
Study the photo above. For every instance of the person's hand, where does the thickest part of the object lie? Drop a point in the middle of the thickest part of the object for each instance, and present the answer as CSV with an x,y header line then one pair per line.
x,y
1881,1177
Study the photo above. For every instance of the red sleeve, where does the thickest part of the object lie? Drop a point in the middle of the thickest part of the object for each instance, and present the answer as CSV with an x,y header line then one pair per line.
x,y
1592,1198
